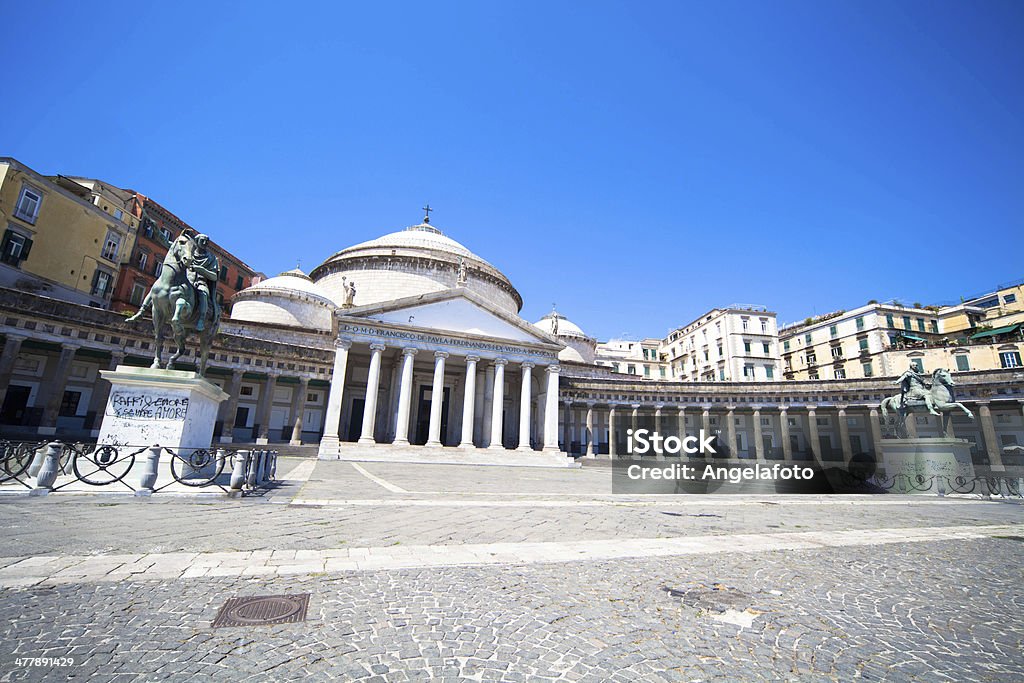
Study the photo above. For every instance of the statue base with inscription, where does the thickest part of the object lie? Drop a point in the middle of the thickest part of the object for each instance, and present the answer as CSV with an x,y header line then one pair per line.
x,y
171,408
923,458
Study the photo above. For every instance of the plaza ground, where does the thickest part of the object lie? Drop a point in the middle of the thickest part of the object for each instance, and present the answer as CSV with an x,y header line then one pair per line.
x,y
433,572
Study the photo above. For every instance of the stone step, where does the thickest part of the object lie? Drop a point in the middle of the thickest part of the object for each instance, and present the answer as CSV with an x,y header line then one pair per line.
x,y
445,455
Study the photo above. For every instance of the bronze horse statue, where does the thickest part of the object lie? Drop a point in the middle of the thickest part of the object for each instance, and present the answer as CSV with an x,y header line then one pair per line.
x,y
174,301
937,398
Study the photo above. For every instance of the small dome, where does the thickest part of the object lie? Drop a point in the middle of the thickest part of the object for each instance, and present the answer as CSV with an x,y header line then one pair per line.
x,y
290,298
565,327
579,347
293,280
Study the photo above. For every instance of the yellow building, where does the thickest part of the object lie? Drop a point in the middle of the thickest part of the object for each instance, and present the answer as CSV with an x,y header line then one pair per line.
x,y
56,241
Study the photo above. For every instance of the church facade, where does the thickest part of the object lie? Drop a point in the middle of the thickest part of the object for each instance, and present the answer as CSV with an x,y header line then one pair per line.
x,y
410,347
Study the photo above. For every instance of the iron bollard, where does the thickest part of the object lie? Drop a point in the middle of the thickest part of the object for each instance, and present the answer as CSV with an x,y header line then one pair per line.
x,y
222,456
250,475
150,467
238,474
37,461
261,471
47,470
273,466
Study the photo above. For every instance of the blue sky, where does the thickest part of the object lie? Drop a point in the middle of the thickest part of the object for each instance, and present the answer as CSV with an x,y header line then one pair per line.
x,y
637,163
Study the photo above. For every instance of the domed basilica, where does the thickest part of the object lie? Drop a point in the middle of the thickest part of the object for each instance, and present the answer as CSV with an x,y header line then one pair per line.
x,y
430,350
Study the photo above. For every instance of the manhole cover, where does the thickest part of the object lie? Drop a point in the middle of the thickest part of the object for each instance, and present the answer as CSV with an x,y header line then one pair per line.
x,y
262,610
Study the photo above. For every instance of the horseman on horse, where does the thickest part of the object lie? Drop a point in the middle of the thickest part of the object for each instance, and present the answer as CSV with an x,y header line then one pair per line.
x,y
182,296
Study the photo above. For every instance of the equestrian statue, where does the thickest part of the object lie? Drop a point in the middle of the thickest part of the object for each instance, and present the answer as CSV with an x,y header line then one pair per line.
x,y
916,391
182,296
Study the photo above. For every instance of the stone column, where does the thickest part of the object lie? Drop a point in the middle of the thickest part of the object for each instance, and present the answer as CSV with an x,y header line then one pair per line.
x,y
682,423
332,418
266,403
498,406
298,408
469,403
567,426
436,400
55,389
478,408
730,432
705,420
787,448
485,416
758,436
988,429
613,446
551,410
12,345
100,394
366,436
657,418
634,417
813,441
404,397
876,433
590,431
525,402
844,436
230,407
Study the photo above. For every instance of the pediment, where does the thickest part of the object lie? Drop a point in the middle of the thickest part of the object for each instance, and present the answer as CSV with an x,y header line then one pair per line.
x,y
453,311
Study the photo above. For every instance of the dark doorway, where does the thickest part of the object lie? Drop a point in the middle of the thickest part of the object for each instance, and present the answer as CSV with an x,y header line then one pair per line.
x,y
423,415
13,411
355,423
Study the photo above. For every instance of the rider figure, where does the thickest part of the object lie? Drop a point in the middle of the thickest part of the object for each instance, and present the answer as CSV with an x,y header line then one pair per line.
x,y
202,271
906,381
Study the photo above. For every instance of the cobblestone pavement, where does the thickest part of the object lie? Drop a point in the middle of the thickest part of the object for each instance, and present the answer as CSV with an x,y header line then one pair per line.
x,y
930,610
915,612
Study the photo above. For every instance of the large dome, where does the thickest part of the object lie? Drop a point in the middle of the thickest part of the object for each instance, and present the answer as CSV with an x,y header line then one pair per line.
x,y
410,262
290,299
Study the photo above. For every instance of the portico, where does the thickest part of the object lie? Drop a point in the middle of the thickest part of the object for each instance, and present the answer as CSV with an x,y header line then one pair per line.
x,y
471,384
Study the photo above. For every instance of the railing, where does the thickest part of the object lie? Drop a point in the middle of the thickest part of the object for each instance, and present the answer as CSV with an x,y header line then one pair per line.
x,y
43,468
1002,485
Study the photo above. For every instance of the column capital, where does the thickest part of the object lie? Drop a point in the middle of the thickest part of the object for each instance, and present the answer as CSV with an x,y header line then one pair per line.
x,y
343,343
527,364
304,381
757,409
499,362
377,346
440,354
659,406
554,369
14,336
410,351
567,401
472,359
634,406
65,346
681,410
811,409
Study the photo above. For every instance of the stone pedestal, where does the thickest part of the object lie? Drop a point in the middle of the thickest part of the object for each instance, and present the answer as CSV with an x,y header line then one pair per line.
x,y
927,457
171,408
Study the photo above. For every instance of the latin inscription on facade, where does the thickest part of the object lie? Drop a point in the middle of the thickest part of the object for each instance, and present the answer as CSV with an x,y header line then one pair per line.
x,y
440,340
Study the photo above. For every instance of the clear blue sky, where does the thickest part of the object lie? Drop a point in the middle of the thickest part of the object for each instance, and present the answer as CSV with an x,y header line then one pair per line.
x,y
638,163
